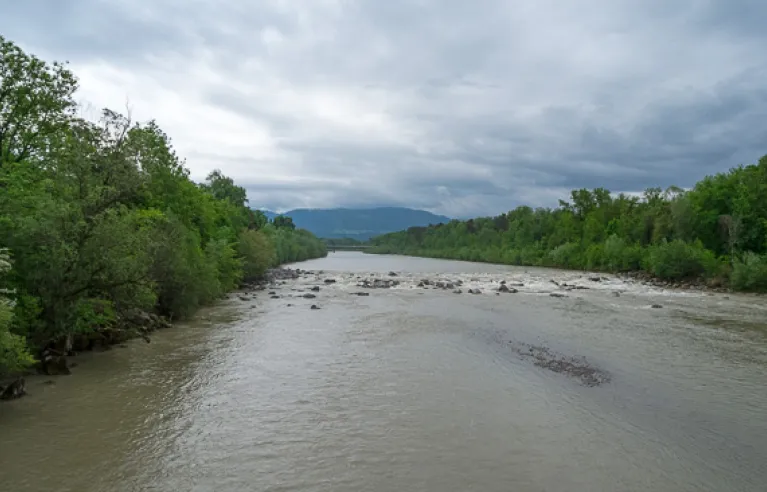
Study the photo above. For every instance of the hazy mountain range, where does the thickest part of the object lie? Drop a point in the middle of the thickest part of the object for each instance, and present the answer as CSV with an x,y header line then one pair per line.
x,y
356,223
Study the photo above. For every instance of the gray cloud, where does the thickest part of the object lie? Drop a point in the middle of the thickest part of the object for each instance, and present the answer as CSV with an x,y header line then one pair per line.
x,y
457,107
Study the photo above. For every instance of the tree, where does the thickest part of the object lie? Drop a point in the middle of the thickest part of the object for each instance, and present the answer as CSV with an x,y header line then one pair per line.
x,y
283,222
36,102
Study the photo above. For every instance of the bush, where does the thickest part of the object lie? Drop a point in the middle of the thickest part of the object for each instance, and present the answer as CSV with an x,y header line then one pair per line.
x,y
566,255
14,355
749,273
618,255
257,253
678,260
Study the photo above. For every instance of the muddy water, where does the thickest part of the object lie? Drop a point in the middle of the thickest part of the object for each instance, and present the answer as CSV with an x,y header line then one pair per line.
x,y
413,388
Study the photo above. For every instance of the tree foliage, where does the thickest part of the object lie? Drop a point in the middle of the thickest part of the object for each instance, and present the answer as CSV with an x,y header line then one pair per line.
x,y
103,219
716,230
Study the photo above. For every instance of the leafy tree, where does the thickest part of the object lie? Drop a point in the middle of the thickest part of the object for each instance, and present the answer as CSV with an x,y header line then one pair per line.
x,y
35,103
283,222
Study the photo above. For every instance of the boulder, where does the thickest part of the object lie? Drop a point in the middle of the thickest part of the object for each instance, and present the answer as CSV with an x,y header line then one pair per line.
x,y
16,389
656,306
503,288
361,294
314,306
316,288
330,280
557,294
309,296
392,274
457,291
55,365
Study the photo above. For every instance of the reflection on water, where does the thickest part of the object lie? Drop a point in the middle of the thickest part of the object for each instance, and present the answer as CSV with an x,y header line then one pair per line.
x,y
411,389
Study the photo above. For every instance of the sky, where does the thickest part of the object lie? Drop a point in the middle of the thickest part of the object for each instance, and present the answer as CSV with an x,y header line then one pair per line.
x,y
461,108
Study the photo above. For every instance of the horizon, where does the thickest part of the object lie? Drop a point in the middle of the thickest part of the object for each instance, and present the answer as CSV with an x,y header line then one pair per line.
x,y
448,108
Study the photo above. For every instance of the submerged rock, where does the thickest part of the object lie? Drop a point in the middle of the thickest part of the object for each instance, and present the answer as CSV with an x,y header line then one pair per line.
x,y
309,296
55,365
557,294
316,288
16,389
378,283
656,306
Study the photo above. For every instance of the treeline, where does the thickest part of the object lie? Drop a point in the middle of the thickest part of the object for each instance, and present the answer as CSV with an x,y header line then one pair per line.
x,y
716,231
342,242
101,219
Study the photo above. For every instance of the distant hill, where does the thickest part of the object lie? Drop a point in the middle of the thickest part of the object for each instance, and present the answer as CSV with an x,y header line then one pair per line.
x,y
357,223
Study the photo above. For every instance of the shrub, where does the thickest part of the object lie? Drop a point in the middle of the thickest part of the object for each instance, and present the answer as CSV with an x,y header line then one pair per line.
x,y
749,272
678,259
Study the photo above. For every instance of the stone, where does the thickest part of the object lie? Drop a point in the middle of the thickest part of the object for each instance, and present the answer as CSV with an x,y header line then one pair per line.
x,y
55,365
16,389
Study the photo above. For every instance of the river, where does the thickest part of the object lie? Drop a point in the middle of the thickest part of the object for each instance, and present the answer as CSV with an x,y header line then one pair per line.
x,y
413,389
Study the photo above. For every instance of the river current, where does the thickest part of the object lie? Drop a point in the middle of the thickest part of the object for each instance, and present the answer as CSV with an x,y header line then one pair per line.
x,y
413,388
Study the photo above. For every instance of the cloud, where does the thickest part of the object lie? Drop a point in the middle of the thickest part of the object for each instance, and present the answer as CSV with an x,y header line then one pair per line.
x,y
456,107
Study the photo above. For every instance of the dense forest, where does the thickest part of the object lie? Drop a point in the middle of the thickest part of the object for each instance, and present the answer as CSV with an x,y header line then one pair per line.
x,y
100,220
716,232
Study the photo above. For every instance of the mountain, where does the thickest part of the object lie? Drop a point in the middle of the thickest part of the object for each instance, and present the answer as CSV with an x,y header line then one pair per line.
x,y
357,223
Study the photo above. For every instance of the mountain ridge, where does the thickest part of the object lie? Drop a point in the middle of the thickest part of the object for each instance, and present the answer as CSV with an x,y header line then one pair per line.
x,y
358,223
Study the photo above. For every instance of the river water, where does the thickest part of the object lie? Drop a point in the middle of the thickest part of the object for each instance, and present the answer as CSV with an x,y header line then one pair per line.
x,y
413,389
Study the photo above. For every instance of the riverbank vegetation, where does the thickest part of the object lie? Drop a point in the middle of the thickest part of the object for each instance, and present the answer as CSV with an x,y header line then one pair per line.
x,y
715,232
100,220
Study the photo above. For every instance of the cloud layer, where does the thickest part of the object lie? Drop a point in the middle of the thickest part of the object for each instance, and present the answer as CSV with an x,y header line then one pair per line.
x,y
462,108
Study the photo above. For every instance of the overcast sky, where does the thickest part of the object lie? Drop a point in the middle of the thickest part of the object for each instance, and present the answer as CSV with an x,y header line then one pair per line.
x,y
462,108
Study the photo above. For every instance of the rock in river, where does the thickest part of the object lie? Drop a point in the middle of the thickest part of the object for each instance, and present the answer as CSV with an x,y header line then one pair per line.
x,y
16,389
